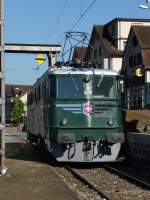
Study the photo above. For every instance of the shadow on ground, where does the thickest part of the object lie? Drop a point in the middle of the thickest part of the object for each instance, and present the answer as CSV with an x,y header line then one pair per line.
x,y
27,152
24,151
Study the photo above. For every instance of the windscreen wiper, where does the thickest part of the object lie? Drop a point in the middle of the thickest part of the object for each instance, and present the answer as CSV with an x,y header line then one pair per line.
x,y
74,83
100,81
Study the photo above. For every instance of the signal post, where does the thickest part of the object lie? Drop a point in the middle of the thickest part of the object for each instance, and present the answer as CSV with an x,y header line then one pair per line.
x,y
2,91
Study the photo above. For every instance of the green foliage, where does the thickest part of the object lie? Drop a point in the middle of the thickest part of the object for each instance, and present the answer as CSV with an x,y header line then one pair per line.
x,y
18,112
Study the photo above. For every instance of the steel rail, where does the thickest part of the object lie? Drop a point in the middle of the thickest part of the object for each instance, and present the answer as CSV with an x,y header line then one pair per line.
x,y
87,182
80,178
129,177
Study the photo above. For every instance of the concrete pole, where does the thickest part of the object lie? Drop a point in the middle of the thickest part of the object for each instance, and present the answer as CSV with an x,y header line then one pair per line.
x,y
2,91
52,59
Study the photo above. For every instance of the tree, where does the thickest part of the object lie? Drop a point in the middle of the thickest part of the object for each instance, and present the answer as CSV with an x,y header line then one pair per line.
x,y
18,111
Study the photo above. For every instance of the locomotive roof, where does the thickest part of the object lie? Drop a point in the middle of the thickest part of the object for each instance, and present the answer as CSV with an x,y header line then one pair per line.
x,y
75,71
87,71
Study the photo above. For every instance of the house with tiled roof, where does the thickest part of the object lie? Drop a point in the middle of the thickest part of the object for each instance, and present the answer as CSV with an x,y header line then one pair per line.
x,y
12,91
107,42
79,54
136,68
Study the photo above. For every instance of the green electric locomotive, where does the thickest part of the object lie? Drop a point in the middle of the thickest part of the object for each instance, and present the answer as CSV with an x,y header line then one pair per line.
x,y
76,113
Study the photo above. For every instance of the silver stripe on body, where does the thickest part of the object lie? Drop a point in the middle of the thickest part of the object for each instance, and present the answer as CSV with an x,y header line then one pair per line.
x,y
71,109
68,105
74,108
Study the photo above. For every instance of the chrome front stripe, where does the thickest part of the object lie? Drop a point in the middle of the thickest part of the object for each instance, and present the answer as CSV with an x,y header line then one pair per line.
x,y
68,105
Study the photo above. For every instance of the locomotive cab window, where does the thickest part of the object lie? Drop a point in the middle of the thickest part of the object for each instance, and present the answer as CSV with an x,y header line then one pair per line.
x,y
69,87
104,86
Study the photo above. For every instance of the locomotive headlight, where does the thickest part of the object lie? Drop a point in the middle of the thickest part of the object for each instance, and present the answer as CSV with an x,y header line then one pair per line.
x,y
64,122
110,122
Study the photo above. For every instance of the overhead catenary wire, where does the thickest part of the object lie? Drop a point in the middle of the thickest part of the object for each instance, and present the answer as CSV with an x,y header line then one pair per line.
x,y
81,7
79,19
83,14
57,20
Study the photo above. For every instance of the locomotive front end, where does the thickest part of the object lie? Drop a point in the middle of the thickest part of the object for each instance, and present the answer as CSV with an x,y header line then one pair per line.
x,y
85,116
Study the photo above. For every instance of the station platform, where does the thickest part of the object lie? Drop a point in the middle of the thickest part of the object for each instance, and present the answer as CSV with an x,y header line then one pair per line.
x,y
137,121
138,145
30,177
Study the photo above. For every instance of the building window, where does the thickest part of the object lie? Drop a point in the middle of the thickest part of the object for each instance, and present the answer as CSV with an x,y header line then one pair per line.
x,y
93,65
100,51
0,64
110,63
124,44
135,60
97,37
0,87
113,30
147,78
96,65
0,113
106,63
100,66
95,53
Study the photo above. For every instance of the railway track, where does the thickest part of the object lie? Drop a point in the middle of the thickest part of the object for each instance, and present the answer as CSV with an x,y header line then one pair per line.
x,y
127,176
110,184
87,182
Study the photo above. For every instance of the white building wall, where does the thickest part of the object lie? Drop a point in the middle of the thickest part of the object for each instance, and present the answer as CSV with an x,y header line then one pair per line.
x,y
124,29
116,64
98,59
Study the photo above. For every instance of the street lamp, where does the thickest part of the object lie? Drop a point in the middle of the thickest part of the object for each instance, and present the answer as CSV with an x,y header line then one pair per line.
x,y
144,7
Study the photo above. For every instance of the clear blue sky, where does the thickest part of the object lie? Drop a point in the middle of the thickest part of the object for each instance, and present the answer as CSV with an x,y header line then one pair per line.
x,y
31,21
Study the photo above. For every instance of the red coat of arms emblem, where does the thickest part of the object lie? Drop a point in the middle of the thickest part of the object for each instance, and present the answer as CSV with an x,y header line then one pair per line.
x,y
87,109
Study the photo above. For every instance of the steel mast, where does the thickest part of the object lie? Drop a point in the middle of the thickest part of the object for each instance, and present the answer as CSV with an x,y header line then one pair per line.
x,y
2,90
